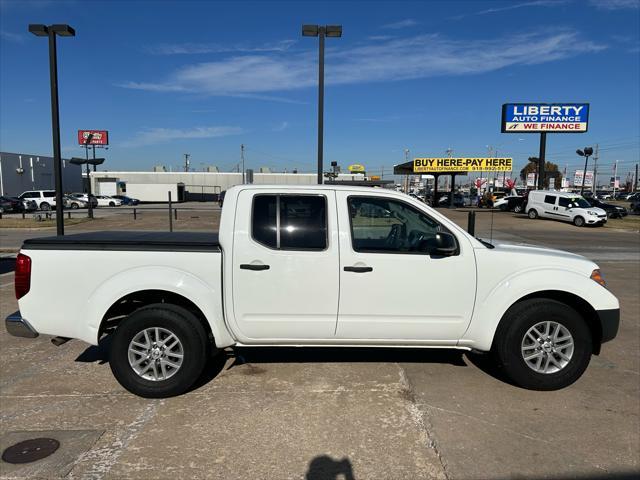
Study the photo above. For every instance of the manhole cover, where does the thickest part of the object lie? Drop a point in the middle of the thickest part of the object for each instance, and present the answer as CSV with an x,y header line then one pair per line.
x,y
30,450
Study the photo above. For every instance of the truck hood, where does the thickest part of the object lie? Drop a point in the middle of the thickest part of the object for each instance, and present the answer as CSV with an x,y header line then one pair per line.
x,y
536,255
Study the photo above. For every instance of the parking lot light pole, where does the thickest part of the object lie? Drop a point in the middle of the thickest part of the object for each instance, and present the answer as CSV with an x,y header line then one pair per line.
x,y
321,32
586,153
86,148
51,31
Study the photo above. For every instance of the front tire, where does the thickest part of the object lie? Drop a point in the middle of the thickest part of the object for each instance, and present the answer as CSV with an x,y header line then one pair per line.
x,y
74,206
517,209
159,351
578,222
112,204
533,214
543,344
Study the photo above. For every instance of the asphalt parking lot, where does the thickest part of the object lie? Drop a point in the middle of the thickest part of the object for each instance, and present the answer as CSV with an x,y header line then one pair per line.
x,y
277,413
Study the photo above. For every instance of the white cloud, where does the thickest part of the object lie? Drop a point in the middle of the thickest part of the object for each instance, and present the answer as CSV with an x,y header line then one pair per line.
x,y
151,136
282,126
12,37
616,4
420,56
515,6
201,48
401,24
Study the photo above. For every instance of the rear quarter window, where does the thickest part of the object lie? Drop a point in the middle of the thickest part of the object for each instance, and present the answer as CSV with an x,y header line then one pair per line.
x,y
550,199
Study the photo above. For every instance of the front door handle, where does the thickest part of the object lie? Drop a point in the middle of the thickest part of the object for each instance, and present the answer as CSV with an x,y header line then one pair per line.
x,y
358,269
250,266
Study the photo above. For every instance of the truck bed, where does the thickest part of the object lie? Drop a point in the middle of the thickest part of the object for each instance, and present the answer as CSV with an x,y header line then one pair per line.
x,y
128,241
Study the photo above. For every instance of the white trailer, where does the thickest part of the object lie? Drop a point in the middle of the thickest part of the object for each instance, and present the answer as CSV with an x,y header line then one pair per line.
x,y
155,192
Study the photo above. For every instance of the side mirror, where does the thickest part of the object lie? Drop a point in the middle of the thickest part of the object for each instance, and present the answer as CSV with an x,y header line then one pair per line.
x,y
443,244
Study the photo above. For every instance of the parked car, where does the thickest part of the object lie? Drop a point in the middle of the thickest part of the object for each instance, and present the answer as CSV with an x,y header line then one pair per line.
x,y
458,200
45,199
512,203
290,265
10,205
126,200
613,211
83,196
105,201
74,202
29,205
566,207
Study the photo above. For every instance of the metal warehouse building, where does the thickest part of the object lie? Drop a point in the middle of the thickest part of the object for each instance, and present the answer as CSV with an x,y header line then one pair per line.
x,y
20,172
189,186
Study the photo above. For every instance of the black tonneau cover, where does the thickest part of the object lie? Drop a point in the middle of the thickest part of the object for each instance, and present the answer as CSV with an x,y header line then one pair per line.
x,y
129,241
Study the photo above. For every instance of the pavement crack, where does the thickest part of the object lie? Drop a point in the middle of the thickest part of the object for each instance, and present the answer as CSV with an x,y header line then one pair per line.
x,y
103,459
419,419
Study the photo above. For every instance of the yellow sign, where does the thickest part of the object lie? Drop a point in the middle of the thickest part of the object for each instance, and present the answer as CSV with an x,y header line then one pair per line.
x,y
356,168
375,177
427,165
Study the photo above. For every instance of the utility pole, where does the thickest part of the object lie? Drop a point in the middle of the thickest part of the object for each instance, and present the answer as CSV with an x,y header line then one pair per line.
x,y
242,160
595,169
406,178
635,180
615,174
186,162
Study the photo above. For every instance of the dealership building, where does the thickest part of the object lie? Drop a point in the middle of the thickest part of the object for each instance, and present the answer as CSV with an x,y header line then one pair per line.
x,y
191,186
20,172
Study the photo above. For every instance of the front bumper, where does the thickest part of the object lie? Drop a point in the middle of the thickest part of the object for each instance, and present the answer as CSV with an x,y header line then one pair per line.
x,y
595,220
19,327
609,323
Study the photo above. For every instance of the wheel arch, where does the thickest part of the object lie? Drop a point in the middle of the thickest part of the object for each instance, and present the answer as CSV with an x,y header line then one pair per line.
x,y
131,302
584,309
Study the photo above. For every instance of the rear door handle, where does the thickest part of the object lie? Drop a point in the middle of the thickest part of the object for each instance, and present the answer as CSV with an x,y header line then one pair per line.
x,y
358,269
250,266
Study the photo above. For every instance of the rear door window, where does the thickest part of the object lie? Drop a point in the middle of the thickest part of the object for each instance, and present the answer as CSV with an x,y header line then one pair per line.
x,y
290,222
551,199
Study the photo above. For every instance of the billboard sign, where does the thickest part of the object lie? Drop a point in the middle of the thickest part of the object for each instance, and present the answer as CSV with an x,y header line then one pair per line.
x,y
356,168
614,182
552,183
100,137
545,117
429,165
531,179
577,178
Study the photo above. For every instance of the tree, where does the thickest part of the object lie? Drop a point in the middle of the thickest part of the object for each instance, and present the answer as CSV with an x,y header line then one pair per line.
x,y
550,168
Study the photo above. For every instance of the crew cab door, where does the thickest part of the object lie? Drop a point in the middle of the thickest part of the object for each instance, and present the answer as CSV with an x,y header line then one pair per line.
x,y
285,266
388,289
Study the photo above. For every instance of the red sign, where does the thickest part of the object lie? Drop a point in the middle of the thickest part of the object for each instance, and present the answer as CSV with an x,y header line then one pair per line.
x,y
480,182
100,137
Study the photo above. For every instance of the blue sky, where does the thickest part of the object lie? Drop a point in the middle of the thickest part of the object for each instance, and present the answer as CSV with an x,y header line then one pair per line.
x,y
168,78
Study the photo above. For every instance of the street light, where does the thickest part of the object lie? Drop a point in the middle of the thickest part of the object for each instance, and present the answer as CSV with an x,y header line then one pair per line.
x,y
586,153
321,32
51,31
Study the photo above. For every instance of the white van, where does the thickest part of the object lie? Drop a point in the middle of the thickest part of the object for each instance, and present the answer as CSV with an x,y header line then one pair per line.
x,y
567,207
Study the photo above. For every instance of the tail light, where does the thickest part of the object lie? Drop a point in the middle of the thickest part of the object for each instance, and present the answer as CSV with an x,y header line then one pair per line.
x,y
22,275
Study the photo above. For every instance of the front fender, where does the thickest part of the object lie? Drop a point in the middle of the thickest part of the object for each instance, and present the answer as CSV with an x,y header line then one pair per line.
x,y
208,298
492,301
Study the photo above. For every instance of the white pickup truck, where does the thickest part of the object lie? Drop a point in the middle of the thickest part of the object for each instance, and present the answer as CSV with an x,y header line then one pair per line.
x,y
313,266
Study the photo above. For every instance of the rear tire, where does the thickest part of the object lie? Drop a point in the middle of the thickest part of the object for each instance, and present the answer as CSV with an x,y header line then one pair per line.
x,y
513,343
74,206
133,364
578,221
533,214
517,209
45,206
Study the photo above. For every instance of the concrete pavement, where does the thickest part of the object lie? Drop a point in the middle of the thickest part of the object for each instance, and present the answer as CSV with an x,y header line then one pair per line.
x,y
327,413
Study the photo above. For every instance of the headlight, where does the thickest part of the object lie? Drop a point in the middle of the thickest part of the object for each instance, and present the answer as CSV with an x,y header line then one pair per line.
x,y
597,277
591,212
